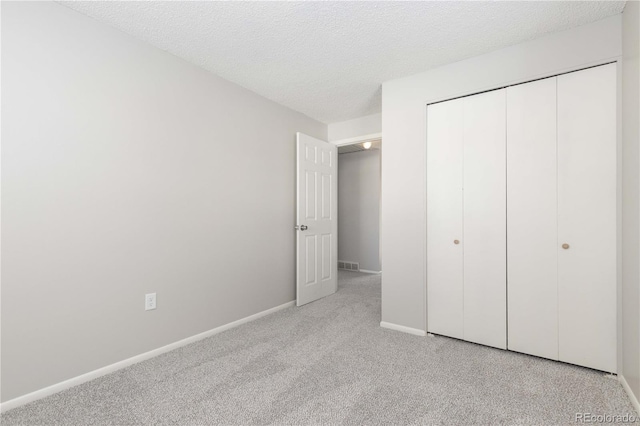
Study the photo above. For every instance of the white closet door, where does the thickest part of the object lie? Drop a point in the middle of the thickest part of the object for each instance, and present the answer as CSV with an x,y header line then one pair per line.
x,y
587,217
484,163
532,219
444,218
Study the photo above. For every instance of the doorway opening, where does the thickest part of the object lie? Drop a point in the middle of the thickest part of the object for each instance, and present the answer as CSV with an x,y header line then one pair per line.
x,y
359,183
338,186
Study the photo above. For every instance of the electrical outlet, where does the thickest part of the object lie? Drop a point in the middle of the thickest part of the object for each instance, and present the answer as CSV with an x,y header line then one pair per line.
x,y
149,301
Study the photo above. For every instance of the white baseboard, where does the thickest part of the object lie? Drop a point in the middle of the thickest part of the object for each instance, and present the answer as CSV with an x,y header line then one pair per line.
x,y
75,381
632,397
402,328
366,271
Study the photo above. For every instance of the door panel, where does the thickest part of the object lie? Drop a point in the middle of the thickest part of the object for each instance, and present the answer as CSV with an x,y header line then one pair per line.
x,y
484,159
326,256
310,254
532,218
444,219
587,217
326,196
310,188
316,206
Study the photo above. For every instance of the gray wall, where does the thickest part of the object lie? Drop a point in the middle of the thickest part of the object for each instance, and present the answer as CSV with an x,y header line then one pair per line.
x,y
126,170
404,132
631,196
359,208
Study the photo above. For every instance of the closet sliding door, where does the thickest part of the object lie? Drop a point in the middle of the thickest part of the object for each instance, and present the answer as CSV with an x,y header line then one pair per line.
x,y
561,217
484,169
526,176
587,217
532,218
466,209
444,218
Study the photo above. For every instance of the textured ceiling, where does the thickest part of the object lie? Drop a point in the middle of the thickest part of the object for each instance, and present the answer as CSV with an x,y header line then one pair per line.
x,y
328,59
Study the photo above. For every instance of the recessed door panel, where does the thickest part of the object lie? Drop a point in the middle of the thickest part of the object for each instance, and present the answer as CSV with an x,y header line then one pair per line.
x,y
444,219
310,188
327,258
587,217
532,219
310,252
484,241
326,196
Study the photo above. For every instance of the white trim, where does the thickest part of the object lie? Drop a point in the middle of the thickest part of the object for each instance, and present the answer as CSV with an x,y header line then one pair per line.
x,y
402,328
366,271
351,141
75,381
632,397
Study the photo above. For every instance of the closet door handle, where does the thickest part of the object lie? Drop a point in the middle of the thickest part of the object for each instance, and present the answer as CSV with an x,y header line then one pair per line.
x,y
565,246
456,242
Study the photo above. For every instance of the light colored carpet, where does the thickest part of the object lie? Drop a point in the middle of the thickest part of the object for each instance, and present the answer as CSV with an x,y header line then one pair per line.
x,y
330,362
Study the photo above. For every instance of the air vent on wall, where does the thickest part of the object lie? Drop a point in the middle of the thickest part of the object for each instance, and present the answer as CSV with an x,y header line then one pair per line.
x,y
348,266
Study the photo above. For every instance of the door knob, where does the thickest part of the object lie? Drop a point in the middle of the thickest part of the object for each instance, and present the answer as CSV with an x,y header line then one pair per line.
x,y
302,227
565,246
456,242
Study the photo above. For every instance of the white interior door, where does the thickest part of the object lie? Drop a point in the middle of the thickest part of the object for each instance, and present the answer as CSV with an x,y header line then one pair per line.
x,y
587,217
316,219
532,218
485,239
444,219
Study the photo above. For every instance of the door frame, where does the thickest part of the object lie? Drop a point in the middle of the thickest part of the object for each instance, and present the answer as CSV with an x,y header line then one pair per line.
x,y
372,137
